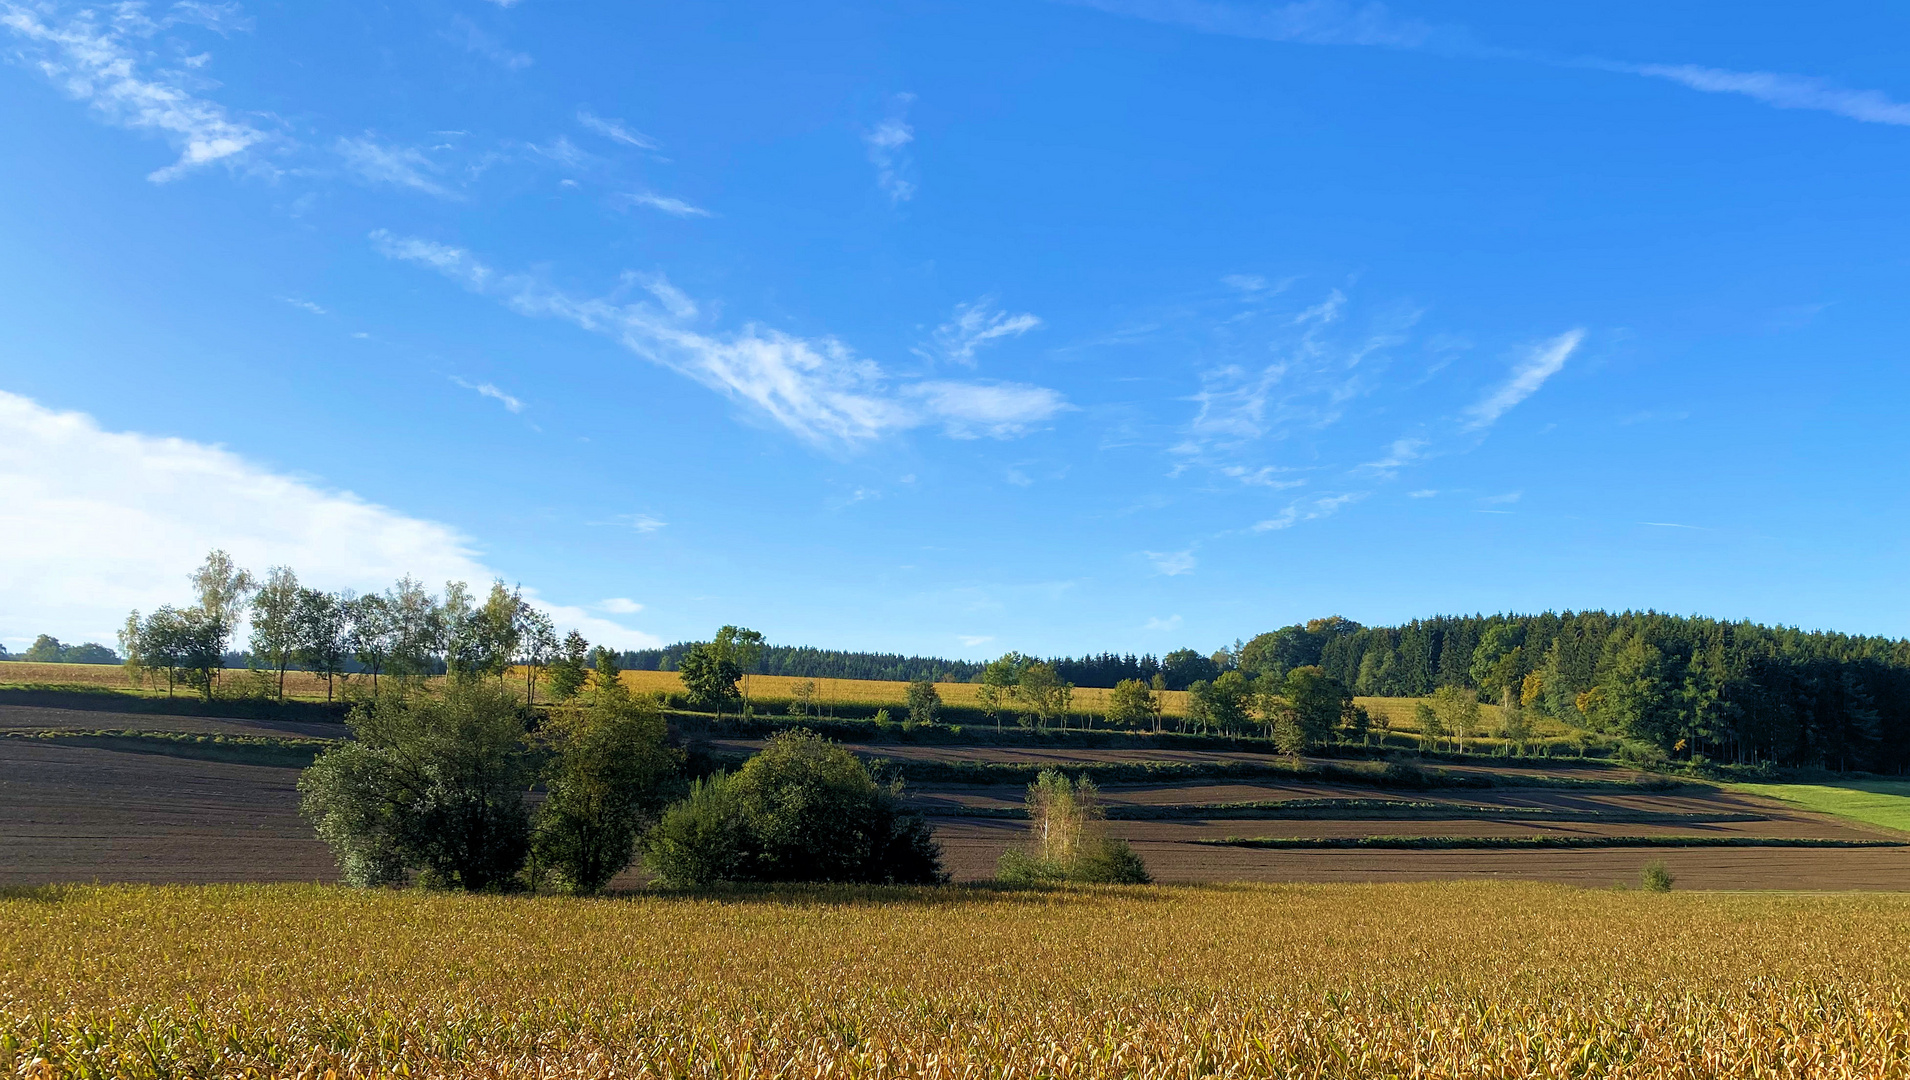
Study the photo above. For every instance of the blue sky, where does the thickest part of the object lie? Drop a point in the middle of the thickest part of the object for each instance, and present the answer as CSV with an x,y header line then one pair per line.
x,y
956,328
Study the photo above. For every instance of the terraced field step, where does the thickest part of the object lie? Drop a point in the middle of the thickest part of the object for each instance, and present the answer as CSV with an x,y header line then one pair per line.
x,y
1443,843
284,752
1364,810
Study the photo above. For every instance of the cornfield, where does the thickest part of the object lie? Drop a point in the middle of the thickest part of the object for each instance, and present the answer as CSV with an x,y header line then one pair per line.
x,y
1448,980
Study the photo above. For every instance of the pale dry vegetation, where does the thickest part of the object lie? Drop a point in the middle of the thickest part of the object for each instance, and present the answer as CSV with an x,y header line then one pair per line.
x,y
1296,981
771,693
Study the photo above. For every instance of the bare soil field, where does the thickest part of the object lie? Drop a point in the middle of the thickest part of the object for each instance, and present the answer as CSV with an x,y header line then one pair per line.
x,y
972,847
82,814
86,813
37,718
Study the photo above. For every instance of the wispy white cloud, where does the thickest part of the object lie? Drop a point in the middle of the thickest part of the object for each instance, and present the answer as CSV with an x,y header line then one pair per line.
x,y
100,59
665,203
1164,626
1001,410
1778,90
1502,500
1313,372
1326,312
564,152
644,523
1541,363
399,166
467,34
888,144
615,130
1173,563
1266,476
816,388
305,305
1423,493
1311,22
970,641
489,390
1331,22
1308,510
974,325
1672,525
620,605
1402,453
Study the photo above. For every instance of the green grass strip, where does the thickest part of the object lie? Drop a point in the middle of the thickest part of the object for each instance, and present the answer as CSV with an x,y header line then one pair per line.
x,y
1873,802
237,749
1516,843
1362,810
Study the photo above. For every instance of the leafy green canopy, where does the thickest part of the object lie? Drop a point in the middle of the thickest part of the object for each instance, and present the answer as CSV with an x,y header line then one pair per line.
x,y
431,783
804,809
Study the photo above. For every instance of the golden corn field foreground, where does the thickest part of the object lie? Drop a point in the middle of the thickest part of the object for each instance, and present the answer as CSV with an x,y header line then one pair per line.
x,y
1447,980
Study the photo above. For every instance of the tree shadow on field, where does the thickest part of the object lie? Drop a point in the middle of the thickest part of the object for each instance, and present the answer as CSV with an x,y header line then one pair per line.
x,y
978,894
35,894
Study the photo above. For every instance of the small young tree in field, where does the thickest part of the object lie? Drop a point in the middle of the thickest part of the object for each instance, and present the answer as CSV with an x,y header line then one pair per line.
x,y
1426,719
1133,705
1040,692
1458,711
370,632
417,626
924,702
537,646
570,671
323,625
1065,842
710,676
134,661
275,627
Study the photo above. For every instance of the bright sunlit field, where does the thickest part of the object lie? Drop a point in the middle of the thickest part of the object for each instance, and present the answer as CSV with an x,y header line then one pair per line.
x,y
1285,981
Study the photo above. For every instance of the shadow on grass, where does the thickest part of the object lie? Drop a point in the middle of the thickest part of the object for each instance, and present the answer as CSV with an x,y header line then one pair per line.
x,y
966,894
35,894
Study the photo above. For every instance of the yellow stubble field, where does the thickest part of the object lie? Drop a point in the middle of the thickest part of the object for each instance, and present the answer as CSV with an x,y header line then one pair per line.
x,y
1487,980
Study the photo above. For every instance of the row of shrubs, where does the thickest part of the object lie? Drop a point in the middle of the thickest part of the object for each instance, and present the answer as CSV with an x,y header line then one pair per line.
x,y
460,787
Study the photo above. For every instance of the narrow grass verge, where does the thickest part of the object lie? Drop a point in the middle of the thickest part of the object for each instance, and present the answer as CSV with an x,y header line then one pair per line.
x,y
1455,843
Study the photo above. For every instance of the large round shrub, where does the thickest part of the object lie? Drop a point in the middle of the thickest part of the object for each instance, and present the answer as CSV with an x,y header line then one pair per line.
x,y
804,809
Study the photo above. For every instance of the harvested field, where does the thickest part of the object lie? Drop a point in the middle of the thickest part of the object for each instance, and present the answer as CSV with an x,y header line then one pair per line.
x,y
15,718
85,814
1323,982
71,812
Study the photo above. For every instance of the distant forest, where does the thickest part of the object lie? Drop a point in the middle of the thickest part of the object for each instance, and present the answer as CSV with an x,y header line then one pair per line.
x,y
1733,691
805,662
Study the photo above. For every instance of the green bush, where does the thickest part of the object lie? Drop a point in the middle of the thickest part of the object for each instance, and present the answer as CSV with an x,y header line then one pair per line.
x,y
804,809
431,784
1656,877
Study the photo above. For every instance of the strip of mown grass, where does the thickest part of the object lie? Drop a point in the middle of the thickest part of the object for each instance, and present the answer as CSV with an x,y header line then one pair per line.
x,y
1393,775
288,753
1495,843
1364,810
1873,802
